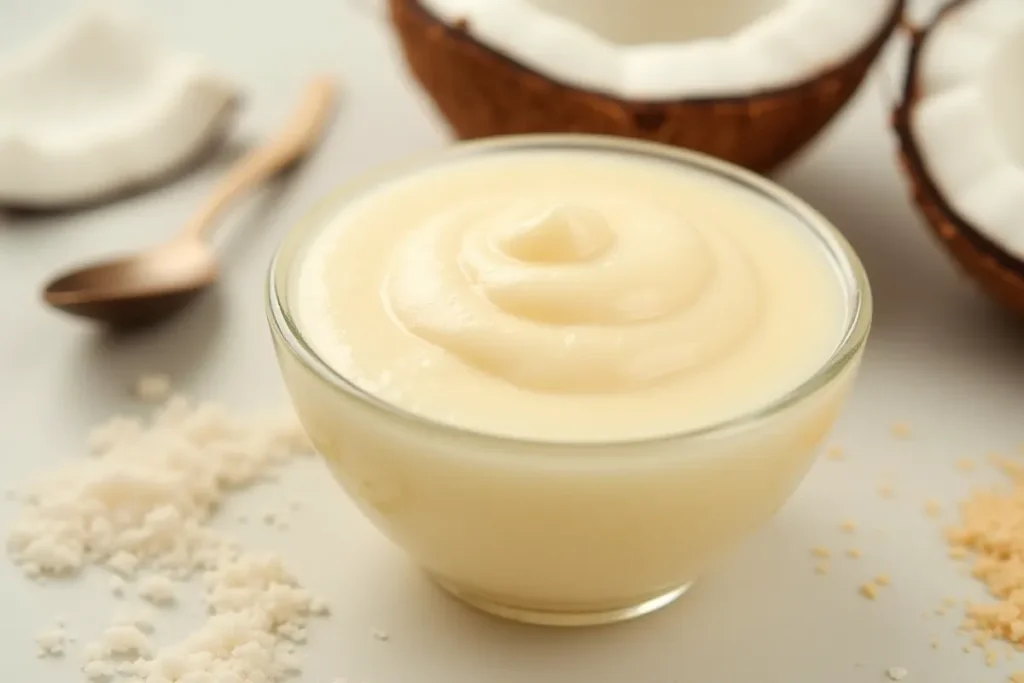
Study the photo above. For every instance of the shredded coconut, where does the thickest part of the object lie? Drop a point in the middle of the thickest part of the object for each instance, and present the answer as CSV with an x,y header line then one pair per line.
x,y
98,670
141,505
123,563
51,642
125,639
991,529
157,589
896,673
869,590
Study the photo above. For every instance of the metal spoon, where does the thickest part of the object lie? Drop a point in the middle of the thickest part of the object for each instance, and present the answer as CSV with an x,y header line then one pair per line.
x,y
148,286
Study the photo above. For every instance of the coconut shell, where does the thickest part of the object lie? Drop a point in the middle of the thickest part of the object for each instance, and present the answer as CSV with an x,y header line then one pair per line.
x,y
999,274
483,93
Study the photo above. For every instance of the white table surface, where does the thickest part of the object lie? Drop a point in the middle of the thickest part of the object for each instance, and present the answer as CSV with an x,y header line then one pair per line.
x,y
940,359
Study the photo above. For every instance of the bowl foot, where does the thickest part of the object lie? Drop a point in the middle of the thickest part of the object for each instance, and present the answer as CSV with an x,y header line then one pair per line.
x,y
560,617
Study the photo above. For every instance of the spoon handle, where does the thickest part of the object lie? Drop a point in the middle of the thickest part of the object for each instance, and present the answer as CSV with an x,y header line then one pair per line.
x,y
288,146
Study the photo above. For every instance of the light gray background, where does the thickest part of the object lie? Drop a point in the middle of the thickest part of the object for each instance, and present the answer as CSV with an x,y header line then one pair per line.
x,y
940,359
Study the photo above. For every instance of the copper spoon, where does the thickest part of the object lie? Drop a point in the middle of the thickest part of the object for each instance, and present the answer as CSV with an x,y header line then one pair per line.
x,y
153,284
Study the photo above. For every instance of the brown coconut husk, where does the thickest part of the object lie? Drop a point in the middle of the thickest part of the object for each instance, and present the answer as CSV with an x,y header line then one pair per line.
x,y
999,274
483,93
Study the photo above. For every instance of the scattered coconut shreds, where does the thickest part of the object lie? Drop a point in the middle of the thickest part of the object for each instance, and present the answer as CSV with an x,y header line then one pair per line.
x,y
886,491
836,453
821,551
822,567
51,642
381,635
157,589
99,670
853,553
142,505
991,528
896,673
869,590
900,430
122,640
124,563
933,508
883,580
848,526
153,387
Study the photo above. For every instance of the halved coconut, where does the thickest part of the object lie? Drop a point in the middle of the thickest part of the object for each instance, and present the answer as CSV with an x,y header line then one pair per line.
x,y
960,126
96,107
750,81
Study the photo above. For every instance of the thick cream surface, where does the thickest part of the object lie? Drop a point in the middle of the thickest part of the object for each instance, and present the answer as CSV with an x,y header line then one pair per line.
x,y
570,296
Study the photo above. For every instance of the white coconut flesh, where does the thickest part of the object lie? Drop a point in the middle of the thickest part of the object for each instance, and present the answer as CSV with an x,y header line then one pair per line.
x,y
95,106
671,49
969,120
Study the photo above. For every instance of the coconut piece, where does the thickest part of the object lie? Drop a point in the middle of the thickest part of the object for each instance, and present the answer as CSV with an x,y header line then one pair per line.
x,y
752,85
95,107
961,144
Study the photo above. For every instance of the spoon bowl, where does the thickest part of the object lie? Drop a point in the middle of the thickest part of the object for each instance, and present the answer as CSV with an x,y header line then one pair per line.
x,y
138,289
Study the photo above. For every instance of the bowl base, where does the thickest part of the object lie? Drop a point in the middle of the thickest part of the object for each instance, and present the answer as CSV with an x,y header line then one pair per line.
x,y
565,618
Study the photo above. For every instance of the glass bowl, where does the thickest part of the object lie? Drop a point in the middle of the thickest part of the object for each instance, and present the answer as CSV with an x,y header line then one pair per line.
x,y
565,533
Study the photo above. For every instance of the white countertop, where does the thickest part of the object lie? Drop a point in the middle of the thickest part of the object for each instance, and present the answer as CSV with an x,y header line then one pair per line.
x,y
940,359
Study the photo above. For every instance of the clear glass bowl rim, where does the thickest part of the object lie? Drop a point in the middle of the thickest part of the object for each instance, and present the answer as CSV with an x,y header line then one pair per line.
x,y
845,260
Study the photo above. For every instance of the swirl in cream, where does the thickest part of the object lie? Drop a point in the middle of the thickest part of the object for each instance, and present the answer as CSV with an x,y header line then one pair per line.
x,y
597,294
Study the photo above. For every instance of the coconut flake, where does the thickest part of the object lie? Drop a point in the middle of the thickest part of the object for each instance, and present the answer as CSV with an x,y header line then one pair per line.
x,y
159,108
967,120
